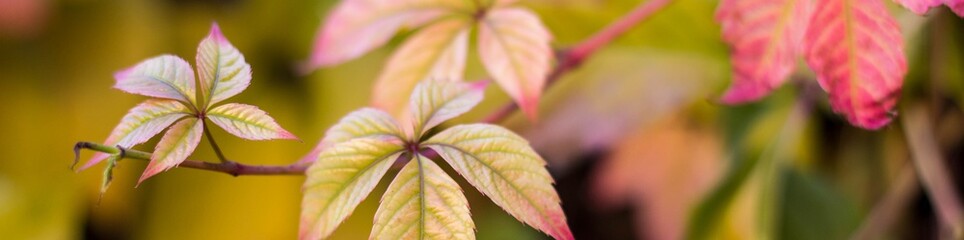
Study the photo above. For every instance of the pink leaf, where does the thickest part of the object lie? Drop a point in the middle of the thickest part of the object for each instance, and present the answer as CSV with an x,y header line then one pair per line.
x,y
765,36
176,145
140,124
248,122
165,76
221,68
357,26
856,49
514,47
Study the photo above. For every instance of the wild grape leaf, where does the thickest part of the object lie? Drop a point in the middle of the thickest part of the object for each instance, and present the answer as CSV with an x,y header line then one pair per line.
x,y
423,202
765,37
248,122
355,27
434,102
222,70
362,123
858,54
176,145
921,6
504,167
339,180
165,76
437,52
514,47
140,124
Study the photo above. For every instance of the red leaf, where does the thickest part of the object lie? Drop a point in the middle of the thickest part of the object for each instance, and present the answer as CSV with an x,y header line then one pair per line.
x,y
765,36
856,49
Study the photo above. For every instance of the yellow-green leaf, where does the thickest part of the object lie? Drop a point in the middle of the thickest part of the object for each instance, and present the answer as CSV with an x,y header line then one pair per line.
x,y
140,124
340,179
221,68
176,145
437,52
504,167
423,203
247,122
362,123
433,102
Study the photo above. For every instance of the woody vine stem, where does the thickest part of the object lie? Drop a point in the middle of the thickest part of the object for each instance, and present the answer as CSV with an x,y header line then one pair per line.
x,y
568,60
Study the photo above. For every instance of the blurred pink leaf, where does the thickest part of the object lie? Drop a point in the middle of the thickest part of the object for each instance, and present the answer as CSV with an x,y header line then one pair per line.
x,y
176,145
140,124
437,52
222,70
355,27
857,51
662,170
165,76
248,122
765,36
514,47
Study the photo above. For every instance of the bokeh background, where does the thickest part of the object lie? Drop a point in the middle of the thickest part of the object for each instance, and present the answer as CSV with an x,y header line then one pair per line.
x,y
634,139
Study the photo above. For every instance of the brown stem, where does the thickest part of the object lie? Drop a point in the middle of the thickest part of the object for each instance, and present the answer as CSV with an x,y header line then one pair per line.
x,y
576,55
229,167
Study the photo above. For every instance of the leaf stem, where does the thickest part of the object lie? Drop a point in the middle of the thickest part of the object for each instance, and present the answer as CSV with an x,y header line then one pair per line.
x,y
931,168
229,167
214,145
575,56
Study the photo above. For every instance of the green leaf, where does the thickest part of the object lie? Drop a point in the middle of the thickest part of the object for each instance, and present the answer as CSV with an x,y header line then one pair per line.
x,y
362,123
222,70
504,167
340,179
176,145
434,102
423,203
436,52
140,124
247,122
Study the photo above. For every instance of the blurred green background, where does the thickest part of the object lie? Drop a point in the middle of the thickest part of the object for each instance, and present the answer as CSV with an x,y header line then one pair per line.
x,y
636,143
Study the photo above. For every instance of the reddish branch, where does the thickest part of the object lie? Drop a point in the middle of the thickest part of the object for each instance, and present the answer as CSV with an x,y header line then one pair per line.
x,y
568,61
